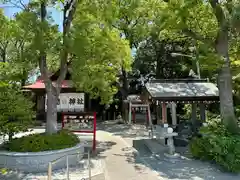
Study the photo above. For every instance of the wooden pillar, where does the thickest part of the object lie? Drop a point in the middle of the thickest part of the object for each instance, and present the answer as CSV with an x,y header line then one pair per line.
x,y
130,113
174,114
164,113
133,115
40,103
149,115
156,114
194,113
125,110
159,114
202,112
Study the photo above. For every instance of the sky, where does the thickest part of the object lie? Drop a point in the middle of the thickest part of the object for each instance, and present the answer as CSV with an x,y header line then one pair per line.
x,y
10,10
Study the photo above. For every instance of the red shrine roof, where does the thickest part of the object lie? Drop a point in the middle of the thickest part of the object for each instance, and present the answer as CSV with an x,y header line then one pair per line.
x,y
39,84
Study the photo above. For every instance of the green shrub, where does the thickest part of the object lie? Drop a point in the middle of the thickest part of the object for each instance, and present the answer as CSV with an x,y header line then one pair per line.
x,y
219,145
198,148
16,111
43,142
36,123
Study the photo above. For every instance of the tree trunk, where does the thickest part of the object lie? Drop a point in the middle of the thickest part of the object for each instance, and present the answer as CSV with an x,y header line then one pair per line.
x,y
51,126
124,92
226,97
161,59
51,91
125,84
225,79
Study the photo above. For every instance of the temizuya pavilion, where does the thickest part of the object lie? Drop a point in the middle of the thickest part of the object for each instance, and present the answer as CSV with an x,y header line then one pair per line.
x,y
169,92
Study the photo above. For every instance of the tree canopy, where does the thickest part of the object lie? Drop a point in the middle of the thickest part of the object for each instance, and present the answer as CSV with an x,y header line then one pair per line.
x,y
97,38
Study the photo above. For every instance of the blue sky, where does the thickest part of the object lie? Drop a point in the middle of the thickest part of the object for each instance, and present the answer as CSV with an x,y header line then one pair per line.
x,y
10,10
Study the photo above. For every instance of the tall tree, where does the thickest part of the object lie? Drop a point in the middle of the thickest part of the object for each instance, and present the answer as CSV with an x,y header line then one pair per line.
x,y
213,23
12,51
100,53
88,43
93,60
133,21
5,36
155,58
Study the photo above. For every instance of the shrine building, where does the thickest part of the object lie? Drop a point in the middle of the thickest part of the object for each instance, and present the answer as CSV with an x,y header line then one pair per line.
x,y
70,100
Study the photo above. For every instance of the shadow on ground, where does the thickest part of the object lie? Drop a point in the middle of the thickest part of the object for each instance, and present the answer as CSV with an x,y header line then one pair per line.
x,y
102,146
123,130
176,169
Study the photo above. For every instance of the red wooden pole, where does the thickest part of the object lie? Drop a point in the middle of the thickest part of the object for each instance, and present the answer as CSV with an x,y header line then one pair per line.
x,y
133,115
62,120
94,131
164,115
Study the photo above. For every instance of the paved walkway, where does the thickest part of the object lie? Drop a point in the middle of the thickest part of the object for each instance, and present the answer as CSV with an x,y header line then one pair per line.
x,y
165,169
121,160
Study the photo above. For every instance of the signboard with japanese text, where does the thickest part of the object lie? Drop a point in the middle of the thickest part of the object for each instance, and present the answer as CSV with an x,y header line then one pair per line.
x,y
69,102
78,122
81,122
140,109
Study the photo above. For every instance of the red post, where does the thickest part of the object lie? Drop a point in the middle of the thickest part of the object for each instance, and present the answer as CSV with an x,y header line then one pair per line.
x,y
94,131
133,115
62,120
164,113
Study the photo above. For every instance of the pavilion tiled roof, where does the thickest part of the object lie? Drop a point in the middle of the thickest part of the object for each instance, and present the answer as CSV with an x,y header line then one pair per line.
x,y
170,90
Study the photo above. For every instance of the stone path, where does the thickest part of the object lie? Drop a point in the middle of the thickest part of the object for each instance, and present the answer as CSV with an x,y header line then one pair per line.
x,y
179,169
125,157
121,160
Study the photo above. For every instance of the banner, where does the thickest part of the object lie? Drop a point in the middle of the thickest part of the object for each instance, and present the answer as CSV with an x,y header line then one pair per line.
x,y
69,102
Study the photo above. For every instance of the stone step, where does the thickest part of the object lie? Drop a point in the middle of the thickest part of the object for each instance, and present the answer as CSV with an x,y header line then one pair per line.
x,y
154,146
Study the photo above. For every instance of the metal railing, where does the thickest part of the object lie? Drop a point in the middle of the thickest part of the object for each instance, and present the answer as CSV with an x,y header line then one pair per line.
x,y
51,163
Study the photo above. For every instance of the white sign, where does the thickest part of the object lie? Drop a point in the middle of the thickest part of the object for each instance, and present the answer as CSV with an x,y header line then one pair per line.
x,y
69,102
